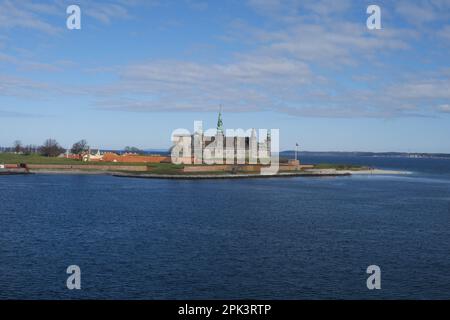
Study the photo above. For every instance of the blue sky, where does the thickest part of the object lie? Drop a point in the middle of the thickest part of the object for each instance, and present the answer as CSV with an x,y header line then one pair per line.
x,y
137,70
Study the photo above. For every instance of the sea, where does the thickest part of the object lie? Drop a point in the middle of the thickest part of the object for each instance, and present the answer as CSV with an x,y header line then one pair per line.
x,y
275,238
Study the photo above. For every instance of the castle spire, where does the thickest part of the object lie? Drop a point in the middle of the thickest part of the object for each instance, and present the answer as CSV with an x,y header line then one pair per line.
x,y
220,122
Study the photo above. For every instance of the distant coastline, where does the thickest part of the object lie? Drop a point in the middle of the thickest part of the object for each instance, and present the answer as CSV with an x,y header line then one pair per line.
x,y
290,153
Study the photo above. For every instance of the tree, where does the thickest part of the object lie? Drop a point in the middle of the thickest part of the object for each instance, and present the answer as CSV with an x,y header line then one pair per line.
x,y
30,149
17,146
51,148
80,147
132,150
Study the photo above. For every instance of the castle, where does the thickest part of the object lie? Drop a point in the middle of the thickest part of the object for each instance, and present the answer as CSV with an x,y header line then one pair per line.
x,y
241,146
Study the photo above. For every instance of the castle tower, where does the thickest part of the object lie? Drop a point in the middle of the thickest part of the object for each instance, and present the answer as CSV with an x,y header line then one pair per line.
x,y
220,122
219,140
198,142
253,148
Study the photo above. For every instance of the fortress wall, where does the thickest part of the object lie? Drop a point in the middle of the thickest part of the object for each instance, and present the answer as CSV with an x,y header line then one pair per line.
x,y
110,157
288,167
86,167
224,167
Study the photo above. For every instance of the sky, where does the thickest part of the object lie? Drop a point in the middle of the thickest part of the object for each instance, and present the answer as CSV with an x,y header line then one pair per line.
x,y
139,69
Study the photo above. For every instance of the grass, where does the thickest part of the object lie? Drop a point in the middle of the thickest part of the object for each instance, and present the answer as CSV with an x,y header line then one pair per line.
x,y
11,158
165,168
154,168
174,173
339,166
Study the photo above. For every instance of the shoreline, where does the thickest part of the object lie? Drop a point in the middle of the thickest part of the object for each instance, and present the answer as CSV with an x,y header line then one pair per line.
x,y
227,176
305,173
309,173
377,172
75,172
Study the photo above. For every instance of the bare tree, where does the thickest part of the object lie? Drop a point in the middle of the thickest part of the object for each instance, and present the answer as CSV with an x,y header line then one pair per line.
x,y
30,149
80,147
17,146
51,148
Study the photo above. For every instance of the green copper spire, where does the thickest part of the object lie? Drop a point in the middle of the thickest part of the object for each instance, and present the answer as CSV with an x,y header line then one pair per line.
x,y
220,122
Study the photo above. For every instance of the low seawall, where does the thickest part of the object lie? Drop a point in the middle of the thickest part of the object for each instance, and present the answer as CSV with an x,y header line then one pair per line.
x,y
241,168
224,168
228,176
13,172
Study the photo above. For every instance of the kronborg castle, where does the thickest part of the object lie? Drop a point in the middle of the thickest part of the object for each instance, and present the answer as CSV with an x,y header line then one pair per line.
x,y
242,147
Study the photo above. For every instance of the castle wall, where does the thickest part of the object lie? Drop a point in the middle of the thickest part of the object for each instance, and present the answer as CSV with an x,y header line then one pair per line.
x,y
112,157
224,167
86,167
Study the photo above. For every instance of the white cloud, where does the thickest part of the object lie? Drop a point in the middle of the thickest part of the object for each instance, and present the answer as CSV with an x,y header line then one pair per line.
x,y
444,108
105,13
23,88
298,66
36,16
286,10
250,84
416,13
24,15
260,83
423,89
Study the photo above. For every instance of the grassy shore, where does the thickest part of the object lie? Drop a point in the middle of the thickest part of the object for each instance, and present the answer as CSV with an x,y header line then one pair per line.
x,y
153,168
11,158
340,166
165,168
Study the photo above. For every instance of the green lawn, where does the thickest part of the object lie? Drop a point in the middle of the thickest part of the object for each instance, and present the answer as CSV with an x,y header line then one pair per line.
x,y
11,158
165,168
339,166
157,168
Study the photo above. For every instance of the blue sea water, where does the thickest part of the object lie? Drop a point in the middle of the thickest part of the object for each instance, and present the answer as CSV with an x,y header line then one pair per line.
x,y
275,238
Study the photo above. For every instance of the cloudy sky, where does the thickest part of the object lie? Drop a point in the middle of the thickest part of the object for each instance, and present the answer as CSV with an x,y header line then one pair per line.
x,y
138,69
